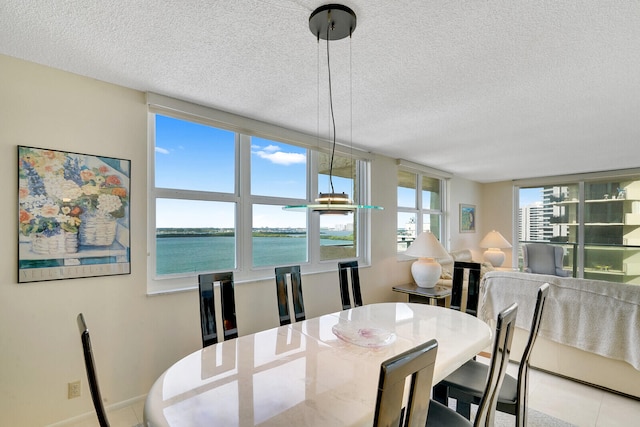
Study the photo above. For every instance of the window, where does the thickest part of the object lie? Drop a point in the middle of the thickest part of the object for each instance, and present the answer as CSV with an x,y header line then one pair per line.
x,y
595,218
219,194
420,204
338,237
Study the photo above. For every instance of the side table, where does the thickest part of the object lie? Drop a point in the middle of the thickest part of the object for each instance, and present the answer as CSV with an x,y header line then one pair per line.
x,y
438,295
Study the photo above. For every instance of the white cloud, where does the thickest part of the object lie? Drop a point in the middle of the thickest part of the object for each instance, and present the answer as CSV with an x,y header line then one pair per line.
x,y
281,158
162,150
274,155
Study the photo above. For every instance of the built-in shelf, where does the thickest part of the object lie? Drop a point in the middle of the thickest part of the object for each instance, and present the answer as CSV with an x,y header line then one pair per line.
x,y
589,224
575,202
607,272
612,222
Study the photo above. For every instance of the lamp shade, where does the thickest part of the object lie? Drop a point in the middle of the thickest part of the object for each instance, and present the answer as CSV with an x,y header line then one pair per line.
x,y
494,241
426,271
426,246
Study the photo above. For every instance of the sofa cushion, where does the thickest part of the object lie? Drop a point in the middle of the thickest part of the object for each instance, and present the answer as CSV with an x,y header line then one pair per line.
x,y
463,255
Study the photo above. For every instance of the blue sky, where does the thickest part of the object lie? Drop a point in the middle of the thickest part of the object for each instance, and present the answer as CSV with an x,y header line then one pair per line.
x,y
529,196
199,157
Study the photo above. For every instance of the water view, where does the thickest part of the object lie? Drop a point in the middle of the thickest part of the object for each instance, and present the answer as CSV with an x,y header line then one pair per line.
x,y
196,250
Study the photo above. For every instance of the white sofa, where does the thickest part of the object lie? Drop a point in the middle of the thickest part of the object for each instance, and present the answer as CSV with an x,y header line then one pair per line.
x,y
463,255
590,329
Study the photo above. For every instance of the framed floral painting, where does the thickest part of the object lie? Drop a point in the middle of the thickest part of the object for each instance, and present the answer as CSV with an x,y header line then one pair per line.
x,y
73,215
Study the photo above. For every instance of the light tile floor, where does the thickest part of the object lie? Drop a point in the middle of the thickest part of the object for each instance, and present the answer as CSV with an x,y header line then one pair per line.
x,y
566,400
578,404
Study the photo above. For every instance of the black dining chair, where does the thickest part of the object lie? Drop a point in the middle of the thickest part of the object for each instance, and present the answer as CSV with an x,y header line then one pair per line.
x,y
462,269
441,415
473,286
91,372
293,273
466,383
418,364
208,323
349,270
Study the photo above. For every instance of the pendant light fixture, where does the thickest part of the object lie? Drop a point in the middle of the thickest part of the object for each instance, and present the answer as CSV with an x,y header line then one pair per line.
x,y
332,22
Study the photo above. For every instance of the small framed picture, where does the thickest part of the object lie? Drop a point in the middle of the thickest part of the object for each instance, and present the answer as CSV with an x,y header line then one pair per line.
x,y
467,218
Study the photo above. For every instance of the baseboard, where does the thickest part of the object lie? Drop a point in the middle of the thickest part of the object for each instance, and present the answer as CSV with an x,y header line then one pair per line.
x,y
599,387
566,377
92,414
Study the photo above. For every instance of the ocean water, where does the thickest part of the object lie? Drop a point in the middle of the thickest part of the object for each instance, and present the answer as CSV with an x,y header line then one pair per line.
x,y
196,254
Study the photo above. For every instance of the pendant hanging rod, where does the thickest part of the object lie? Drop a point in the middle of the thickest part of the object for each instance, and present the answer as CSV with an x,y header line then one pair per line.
x,y
333,118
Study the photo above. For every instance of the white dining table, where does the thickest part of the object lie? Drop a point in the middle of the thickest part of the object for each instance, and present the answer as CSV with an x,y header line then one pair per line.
x,y
319,372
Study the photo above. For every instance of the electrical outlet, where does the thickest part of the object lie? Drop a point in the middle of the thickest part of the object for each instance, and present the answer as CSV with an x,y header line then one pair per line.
x,y
73,389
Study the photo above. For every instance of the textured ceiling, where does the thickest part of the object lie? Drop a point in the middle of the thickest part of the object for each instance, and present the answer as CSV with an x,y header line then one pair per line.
x,y
490,90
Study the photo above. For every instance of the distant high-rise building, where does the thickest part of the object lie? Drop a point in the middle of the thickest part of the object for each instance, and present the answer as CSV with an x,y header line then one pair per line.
x,y
532,222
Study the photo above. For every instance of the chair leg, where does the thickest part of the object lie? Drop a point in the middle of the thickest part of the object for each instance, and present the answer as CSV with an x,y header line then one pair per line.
x,y
441,394
464,409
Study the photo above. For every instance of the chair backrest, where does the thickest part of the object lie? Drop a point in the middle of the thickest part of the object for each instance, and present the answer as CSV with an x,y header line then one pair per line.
x,y
417,363
343,269
283,295
473,286
505,327
543,258
523,369
208,323
91,372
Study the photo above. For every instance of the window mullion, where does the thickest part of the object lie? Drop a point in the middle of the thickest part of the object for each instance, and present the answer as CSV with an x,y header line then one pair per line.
x,y
244,244
169,193
313,220
420,219
580,243
152,195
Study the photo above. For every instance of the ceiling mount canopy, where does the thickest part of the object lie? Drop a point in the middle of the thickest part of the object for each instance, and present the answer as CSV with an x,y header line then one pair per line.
x,y
338,19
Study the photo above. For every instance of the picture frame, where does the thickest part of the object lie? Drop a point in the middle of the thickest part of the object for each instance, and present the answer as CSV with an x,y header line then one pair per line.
x,y
73,215
467,218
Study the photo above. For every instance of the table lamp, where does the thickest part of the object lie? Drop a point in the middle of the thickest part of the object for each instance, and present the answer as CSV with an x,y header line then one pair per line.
x,y
494,241
426,270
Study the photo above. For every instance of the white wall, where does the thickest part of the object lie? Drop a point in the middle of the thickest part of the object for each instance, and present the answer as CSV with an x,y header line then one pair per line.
x,y
466,192
135,336
494,211
497,214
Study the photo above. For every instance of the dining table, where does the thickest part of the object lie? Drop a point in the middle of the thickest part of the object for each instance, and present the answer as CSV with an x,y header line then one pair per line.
x,y
323,371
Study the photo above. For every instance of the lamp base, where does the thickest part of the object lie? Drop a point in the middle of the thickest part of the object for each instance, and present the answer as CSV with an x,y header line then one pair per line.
x,y
426,272
494,256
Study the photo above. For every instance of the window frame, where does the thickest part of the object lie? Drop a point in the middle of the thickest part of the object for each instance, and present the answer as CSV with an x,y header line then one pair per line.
x,y
421,171
580,181
244,201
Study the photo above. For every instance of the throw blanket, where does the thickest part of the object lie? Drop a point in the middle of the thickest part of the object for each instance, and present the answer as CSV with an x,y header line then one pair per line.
x,y
591,315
